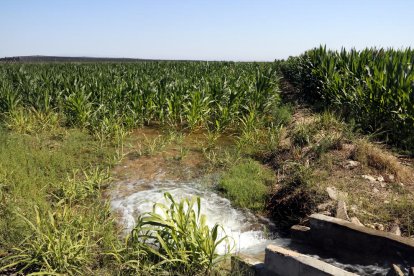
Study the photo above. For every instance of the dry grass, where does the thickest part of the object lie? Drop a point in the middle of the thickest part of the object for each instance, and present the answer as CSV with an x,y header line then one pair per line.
x,y
375,157
324,146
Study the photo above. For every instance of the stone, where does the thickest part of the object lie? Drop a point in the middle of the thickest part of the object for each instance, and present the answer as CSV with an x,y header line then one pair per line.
x,y
380,178
334,194
395,229
389,177
395,271
375,190
369,177
341,211
379,226
351,164
383,185
356,221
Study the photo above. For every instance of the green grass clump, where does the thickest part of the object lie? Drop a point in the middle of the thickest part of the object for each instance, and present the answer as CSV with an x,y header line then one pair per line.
x,y
247,184
52,217
282,115
302,134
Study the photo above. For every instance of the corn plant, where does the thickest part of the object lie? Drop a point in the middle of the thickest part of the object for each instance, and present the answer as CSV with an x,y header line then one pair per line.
x,y
190,95
373,86
176,234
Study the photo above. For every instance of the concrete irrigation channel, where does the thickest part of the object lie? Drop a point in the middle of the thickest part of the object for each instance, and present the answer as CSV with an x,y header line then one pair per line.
x,y
352,250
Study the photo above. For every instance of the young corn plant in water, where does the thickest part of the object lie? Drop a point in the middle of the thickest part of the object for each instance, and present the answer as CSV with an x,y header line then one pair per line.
x,y
178,238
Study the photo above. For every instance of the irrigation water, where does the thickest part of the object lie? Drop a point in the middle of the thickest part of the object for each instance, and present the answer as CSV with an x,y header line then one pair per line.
x,y
251,234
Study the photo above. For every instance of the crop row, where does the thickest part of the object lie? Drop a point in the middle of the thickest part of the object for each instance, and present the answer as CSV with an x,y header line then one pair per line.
x,y
374,86
188,94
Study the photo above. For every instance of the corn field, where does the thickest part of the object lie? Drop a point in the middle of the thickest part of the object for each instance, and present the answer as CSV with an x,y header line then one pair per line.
x,y
182,94
375,87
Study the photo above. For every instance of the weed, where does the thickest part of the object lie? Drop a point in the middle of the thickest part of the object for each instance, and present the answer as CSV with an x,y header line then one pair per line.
x,y
58,245
31,121
302,134
243,178
79,187
326,143
328,121
282,115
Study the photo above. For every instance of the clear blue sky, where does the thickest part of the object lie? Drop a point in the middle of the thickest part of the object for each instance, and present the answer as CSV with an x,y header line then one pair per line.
x,y
213,29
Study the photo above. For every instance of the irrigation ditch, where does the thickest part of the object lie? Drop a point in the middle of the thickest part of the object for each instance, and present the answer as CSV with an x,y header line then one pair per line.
x,y
326,246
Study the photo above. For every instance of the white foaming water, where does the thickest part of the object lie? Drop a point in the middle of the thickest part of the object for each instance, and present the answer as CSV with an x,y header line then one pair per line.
x,y
243,227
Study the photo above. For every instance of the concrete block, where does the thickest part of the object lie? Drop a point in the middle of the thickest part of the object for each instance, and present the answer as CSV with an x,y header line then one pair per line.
x,y
336,234
281,261
299,232
246,265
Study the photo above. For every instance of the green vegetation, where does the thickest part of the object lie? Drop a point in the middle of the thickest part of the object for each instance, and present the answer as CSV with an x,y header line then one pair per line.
x,y
52,218
64,126
99,97
374,87
248,184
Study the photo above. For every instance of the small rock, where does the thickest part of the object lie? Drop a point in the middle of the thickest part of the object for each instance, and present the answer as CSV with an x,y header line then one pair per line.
x,y
386,202
341,211
380,178
395,271
351,164
383,185
371,226
401,184
356,221
375,190
379,226
389,177
396,230
332,193
369,177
